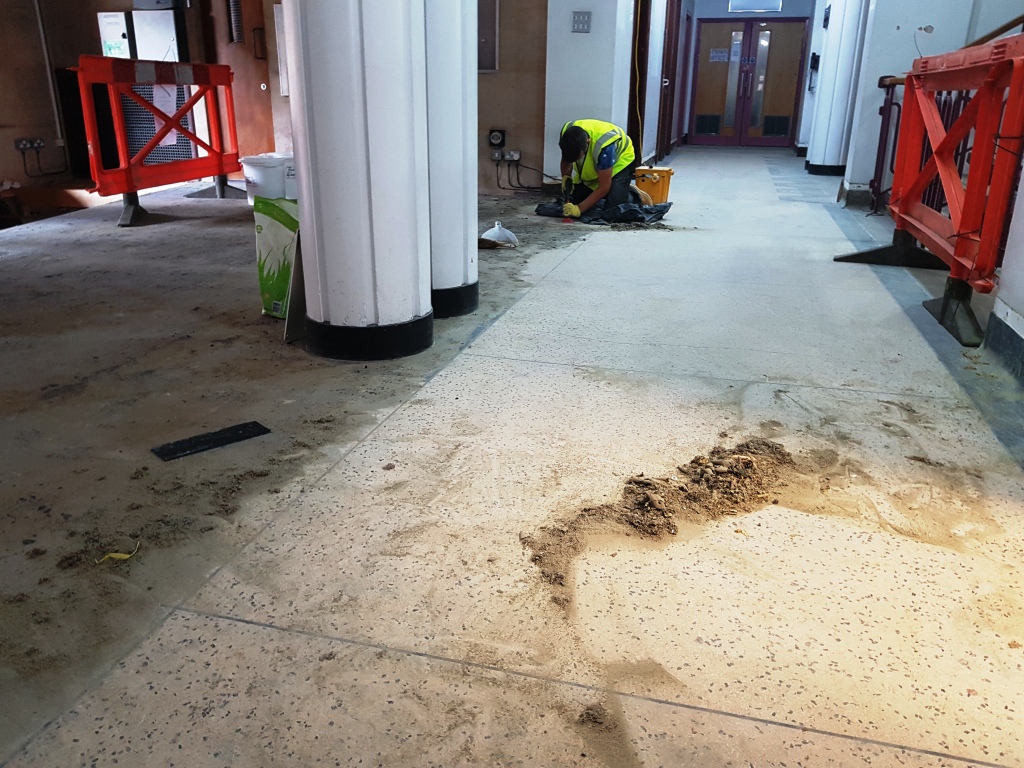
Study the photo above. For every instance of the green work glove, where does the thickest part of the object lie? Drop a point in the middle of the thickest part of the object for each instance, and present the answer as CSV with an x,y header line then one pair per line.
x,y
572,210
566,185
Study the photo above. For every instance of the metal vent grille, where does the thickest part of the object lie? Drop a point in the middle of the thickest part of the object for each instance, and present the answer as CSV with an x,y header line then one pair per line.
x,y
236,30
776,125
709,125
141,127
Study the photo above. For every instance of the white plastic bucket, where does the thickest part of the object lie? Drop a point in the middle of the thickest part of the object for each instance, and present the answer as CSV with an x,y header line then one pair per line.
x,y
291,184
264,176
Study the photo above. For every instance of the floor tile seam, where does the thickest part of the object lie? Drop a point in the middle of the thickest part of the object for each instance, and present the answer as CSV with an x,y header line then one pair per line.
x,y
669,345
908,292
696,280
370,645
568,337
357,444
96,680
719,233
274,517
942,398
171,609
484,327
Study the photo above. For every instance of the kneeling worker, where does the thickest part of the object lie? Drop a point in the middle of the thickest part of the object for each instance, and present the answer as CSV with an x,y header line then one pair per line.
x,y
604,161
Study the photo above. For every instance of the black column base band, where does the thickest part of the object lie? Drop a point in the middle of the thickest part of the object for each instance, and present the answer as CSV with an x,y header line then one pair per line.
x,y
1007,345
371,342
453,302
824,170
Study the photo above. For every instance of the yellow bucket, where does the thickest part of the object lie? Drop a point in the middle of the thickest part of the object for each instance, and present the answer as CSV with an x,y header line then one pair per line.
x,y
655,182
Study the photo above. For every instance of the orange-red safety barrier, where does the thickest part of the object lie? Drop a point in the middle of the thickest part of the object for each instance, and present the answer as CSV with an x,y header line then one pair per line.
x,y
132,173
968,239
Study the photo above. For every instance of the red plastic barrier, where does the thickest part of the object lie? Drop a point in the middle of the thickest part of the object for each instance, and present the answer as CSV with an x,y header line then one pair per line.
x,y
208,82
968,239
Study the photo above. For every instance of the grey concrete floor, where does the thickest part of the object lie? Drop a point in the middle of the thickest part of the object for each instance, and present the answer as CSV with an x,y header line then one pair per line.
x,y
353,589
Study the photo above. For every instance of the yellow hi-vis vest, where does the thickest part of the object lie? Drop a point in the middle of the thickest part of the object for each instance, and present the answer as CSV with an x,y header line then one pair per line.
x,y
601,135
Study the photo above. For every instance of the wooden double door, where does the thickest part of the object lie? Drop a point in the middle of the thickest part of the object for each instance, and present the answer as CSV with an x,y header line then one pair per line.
x,y
749,78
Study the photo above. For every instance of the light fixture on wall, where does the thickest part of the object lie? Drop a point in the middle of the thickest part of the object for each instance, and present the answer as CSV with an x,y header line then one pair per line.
x,y
755,6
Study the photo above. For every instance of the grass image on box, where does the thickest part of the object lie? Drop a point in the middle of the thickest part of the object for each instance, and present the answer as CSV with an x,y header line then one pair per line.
x,y
277,229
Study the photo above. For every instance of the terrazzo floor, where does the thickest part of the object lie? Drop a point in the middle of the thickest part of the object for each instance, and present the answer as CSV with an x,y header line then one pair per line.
x,y
391,616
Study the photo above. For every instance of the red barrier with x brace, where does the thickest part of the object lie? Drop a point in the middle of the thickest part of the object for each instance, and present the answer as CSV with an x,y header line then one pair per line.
x,y
208,82
968,239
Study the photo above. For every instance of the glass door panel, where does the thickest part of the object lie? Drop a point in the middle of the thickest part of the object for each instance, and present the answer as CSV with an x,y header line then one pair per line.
x,y
748,81
720,64
774,82
764,41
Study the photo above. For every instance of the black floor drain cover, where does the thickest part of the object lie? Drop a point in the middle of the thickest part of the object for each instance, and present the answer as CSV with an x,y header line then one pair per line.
x,y
205,442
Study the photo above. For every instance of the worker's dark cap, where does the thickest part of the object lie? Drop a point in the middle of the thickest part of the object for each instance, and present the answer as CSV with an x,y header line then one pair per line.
x,y
572,142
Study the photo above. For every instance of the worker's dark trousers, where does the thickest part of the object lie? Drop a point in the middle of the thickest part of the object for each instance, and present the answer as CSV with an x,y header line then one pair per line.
x,y
617,195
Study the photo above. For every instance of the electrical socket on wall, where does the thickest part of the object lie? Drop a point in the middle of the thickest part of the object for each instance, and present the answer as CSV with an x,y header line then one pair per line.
x,y
512,155
496,138
581,21
24,145
496,155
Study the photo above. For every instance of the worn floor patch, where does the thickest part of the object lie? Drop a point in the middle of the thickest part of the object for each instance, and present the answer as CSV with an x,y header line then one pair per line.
x,y
727,481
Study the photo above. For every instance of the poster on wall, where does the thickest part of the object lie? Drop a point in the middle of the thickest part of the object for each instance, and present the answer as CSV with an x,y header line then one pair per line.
x,y
719,54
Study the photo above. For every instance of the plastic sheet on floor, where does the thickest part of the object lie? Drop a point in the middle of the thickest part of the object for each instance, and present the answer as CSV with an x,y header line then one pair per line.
x,y
627,213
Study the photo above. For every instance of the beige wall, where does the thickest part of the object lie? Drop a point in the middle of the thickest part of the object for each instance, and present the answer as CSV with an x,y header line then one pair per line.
x,y
513,97
282,113
25,109
71,30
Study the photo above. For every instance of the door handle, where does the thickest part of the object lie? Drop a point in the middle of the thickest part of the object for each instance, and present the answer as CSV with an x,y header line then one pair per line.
x,y
665,82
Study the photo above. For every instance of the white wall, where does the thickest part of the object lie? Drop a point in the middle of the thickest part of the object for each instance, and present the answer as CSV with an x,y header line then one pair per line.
x,y
1011,281
989,15
587,74
1009,307
809,98
656,55
683,97
838,83
623,62
890,49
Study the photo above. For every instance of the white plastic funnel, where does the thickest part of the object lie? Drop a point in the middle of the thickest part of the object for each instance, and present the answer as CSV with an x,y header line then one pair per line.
x,y
499,234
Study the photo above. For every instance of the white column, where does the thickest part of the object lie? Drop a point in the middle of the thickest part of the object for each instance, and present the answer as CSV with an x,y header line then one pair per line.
x,y
452,135
837,87
359,120
1010,297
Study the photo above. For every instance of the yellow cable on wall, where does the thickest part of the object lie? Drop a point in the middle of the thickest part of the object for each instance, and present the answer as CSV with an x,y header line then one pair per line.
x,y
636,67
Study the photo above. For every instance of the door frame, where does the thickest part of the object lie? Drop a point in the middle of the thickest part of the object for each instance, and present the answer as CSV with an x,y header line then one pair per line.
x,y
684,80
668,92
638,79
737,141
